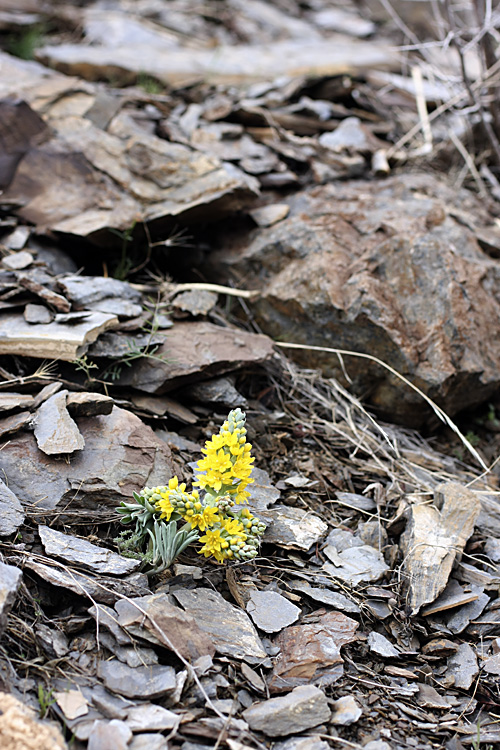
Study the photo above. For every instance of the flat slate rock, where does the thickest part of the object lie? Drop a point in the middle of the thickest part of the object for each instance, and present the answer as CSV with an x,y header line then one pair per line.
x,y
345,711
10,581
293,528
356,564
434,536
310,653
11,511
194,349
71,549
229,627
148,717
326,596
146,683
463,667
88,404
105,590
15,422
303,708
121,456
11,401
55,431
156,619
109,735
270,611
66,338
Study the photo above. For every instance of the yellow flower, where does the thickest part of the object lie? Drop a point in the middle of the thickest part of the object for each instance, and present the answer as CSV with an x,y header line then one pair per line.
x,y
233,527
164,505
212,544
207,517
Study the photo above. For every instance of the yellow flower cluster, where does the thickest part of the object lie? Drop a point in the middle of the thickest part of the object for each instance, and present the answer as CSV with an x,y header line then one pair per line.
x,y
224,473
227,465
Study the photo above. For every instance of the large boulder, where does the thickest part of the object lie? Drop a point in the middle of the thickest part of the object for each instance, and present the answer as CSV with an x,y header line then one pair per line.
x,y
391,268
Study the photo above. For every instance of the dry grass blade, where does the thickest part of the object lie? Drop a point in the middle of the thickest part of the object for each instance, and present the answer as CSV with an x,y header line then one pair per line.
x,y
361,355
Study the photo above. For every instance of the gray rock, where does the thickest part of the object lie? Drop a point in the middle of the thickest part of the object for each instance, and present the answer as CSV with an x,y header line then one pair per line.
x,y
88,292
356,564
377,745
106,590
195,301
345,711
110,705
460,618
156,619
229,628
194,349
492,549
88,404
11,401
146,683
53,641
17,261
217,391
351,135
109,735
463,666
343,539
302,743
326,596
148,742
383,268
113,345
10,580
71,549
37,314
46,392
148,717
380,645
14,423
303,708
270,611
133,656
55,431
106,617
121,456
292,528
11,511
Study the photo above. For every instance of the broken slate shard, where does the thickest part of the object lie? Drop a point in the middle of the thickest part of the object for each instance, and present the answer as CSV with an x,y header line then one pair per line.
x,y
10,580
155,681
55,431
345,711
462,666
11,511
303,708
356,564
435,535
66,340
102,294
228,626
121,456
326,596
293,528
71,549
156,619
270,611
194,350
311,653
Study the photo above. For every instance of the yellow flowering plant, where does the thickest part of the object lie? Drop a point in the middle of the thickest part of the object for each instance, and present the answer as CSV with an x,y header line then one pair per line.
x,y
212,509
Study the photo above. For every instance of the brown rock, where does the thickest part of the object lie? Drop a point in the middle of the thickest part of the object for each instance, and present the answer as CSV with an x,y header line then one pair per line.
x,y
311,653
88,404
356,266
121,456
195,349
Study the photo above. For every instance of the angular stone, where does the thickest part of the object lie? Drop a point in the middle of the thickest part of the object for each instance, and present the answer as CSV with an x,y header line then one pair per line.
x,y
109,735
345,711
293,528
10,581
11,401
101,293
428,697
356,564
463,666
121,456
18,261
305,707
361,266
14,423
149,717
217,391
106,617
146,683
326,596
270,611
229,628
195,301
268,215
65,339
458,620
106,590
149,742
88,404
71,549
434,536
11,511
452,596
37,314
492,549
380,645
311,653
300,743
155,619
55,431
195,349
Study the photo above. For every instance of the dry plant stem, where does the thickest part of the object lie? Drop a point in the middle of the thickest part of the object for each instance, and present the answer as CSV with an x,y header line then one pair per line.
x,y
483,14
360,355
469,161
